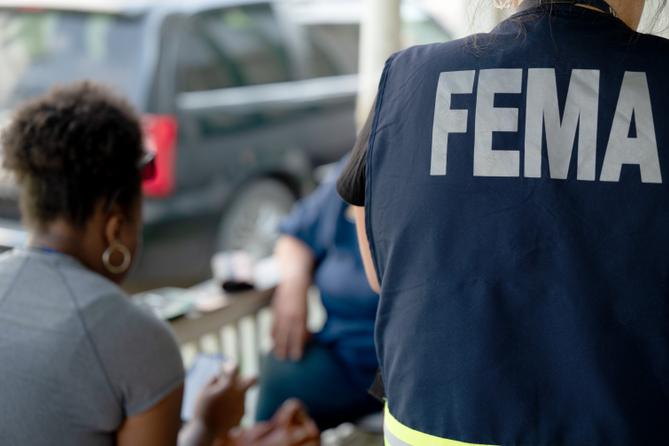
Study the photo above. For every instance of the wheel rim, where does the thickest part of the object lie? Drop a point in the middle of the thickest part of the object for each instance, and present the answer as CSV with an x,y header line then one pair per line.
x,y
253,225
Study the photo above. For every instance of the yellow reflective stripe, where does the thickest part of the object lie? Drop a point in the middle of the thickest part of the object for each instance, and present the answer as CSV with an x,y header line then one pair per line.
x,y
414,438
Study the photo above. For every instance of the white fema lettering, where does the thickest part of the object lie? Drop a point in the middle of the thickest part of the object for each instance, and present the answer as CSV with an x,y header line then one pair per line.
x,y
633,103
580,112
446,120
490,119
580,116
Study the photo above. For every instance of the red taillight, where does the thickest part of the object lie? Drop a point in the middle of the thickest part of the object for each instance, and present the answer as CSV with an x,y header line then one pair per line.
x,y
160,132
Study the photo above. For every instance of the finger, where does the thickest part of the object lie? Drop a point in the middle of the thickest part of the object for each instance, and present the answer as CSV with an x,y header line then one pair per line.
x,y
281,343
235,432
277,437
246,383
231,369
260,430
212,381
310,426
228,377
276,326
287,412
297,348
296,345
299,435
301,416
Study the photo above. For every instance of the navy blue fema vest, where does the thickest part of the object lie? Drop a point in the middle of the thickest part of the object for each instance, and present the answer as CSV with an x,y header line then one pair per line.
x,y
517,207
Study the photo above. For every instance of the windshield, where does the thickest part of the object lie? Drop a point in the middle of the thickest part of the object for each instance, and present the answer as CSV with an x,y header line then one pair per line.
x,y
40,48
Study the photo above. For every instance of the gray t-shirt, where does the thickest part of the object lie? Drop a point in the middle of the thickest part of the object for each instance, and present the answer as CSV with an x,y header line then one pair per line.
x,y
76,356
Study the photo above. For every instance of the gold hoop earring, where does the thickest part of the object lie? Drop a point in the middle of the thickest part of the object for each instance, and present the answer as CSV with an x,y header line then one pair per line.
x,y
125,252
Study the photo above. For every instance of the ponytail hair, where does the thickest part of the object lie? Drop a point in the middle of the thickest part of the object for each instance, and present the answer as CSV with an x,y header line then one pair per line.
x,y
507,4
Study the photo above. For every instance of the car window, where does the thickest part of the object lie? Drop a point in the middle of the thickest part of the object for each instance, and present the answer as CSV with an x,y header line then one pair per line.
x,y
334,48
40,48
200,65
250,39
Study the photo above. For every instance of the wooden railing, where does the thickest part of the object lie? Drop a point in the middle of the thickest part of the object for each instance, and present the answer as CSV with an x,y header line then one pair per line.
x,y
238,328
231,311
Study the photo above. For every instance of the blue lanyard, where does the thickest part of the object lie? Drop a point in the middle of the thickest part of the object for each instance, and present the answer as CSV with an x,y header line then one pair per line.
x,y
599,4
45,250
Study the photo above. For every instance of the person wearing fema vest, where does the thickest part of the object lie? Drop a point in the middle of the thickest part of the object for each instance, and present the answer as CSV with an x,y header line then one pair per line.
x,y
512,201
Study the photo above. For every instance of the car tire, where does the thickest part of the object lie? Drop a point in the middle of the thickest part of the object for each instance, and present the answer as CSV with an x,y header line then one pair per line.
x,y
250,223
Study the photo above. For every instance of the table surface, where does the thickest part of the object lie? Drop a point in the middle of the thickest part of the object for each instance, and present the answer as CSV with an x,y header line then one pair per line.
x,y
222,309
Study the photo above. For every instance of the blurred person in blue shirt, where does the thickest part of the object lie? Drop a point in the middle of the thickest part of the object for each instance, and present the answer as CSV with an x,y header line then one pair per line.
x,y
331,370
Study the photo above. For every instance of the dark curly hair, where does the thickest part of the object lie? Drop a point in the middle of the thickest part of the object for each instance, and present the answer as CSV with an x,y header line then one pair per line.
x,y
71,149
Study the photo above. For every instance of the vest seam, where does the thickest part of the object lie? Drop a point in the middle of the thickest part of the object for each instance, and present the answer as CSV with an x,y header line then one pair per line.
x,y
370,152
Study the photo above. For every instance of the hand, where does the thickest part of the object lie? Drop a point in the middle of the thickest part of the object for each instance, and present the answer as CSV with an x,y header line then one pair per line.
x,y
290,426
289,329
220,405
